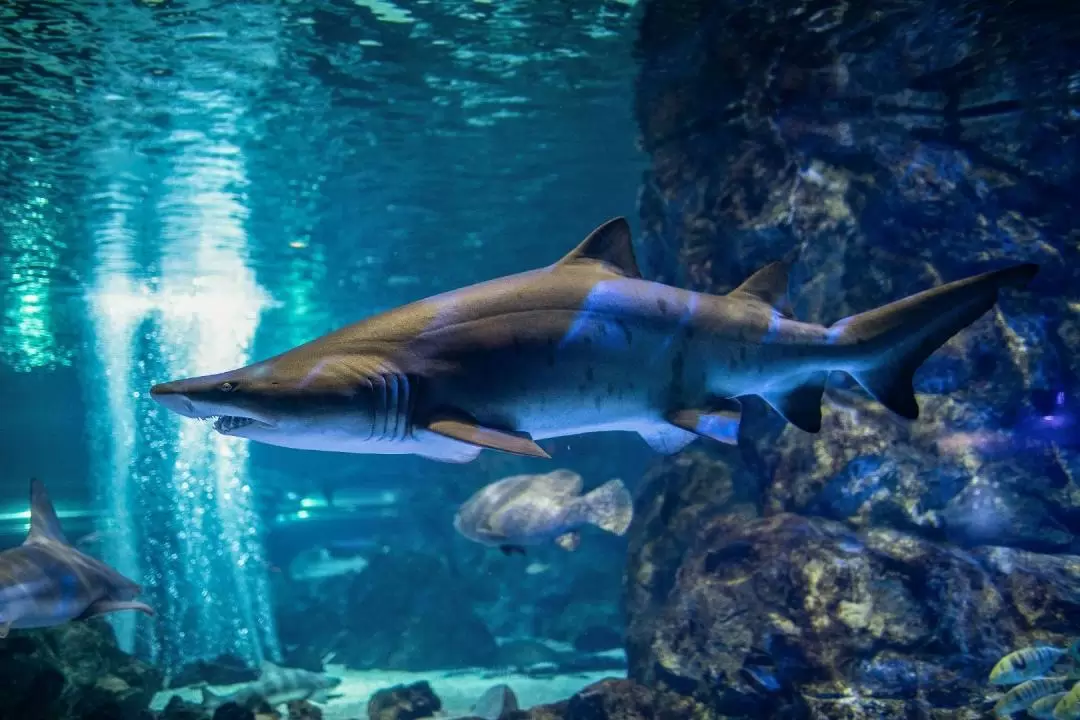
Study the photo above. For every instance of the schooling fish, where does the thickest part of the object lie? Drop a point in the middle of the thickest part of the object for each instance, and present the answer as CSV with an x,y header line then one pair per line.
x,y
536,509
1025,664
583,345
276,685
1026,693
1068,707
46,582
1043,708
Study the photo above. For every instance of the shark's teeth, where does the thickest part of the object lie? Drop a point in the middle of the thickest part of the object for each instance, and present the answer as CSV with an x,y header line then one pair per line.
x,y
229,423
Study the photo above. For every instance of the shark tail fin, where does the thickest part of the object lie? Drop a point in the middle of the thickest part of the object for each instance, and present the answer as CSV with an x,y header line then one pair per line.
x,y
608,507
892,341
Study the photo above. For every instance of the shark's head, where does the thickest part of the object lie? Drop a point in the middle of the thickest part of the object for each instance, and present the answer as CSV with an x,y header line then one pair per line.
x,y
297,400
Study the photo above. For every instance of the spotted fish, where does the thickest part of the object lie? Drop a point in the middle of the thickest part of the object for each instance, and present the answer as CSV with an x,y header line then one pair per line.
x,y
583,345
1026,693
1025,664
46,581
276,685
536,509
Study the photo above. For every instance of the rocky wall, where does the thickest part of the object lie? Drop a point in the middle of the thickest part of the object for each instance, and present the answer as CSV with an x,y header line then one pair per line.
x,y
879,567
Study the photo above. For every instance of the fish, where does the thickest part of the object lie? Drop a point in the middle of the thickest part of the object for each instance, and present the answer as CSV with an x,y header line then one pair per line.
x,y
1026,693
583,345
536,509
1043,708
320,564
1068,707
276,685
1025,664
46,581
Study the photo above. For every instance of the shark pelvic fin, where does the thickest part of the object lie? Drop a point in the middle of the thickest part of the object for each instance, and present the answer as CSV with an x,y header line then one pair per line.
x,y
721,424
467,431
44,524
666,439
770,285
610,243
801,405
102,607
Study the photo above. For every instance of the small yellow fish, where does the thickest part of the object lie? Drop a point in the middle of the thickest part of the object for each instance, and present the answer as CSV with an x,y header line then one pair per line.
x,y
1026,693
1026,664
1068,707
1043,708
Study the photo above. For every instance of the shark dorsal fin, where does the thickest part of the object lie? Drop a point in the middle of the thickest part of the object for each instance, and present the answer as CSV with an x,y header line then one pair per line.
x,y
770,285
44,525
269,667
610,243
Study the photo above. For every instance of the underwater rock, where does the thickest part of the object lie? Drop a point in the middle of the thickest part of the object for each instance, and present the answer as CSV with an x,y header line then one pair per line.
x,y
233,711
303,710
616,700
404,702
179,709
886,150
73,671
805,617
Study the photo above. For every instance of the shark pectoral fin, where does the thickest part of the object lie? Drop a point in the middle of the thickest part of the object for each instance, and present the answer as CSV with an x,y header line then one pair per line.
x,y
719,425
511,549
569,541
5,628
102,607
469,432
801,405
319,696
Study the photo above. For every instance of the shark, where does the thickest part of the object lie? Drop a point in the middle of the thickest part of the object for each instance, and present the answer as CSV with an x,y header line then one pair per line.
x,y
46,582
276,685
583,345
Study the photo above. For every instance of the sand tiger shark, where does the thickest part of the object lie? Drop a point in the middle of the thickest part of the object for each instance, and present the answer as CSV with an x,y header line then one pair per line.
x,y
583,345
46,582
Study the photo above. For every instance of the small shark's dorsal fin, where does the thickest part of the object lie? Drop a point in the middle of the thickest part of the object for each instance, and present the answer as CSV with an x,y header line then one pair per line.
x,y
44,525
610,243
268,667
770,285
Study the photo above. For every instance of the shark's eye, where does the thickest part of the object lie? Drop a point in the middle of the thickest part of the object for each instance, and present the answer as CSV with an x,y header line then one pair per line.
x,y
227,387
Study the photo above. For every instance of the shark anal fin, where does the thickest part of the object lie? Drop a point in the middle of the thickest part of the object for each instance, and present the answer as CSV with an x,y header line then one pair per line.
x,y
511,549
569,541
801,405
102,607
721,425
469,432
666,439
44,524
611,243
769,285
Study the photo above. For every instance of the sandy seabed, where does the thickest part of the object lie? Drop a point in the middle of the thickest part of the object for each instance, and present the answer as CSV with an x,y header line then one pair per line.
x,y
458,690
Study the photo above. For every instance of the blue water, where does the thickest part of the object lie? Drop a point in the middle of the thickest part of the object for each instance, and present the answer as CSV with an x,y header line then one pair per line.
x,y
192,185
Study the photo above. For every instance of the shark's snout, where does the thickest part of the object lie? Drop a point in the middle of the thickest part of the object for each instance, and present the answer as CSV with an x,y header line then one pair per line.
x,y
171,396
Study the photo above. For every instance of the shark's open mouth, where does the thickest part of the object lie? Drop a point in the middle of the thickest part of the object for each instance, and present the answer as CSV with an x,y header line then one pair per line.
x,y
230,423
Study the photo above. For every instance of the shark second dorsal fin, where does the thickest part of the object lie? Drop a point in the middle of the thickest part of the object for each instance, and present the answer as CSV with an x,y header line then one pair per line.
x,y
44,525
610,243
770,285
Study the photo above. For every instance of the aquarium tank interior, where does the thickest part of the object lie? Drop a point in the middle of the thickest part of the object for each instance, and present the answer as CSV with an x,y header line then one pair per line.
x,y
539,359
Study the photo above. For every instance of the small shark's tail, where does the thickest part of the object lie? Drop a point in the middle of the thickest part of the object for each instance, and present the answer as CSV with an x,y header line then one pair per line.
x,y
608,507
892,341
